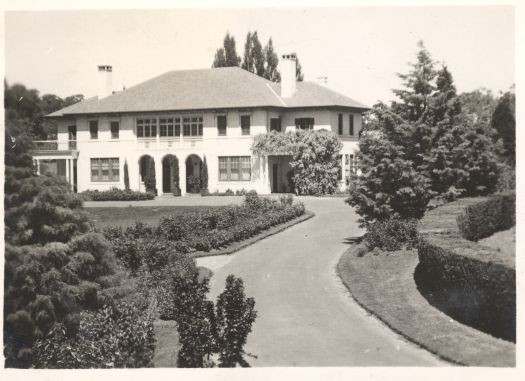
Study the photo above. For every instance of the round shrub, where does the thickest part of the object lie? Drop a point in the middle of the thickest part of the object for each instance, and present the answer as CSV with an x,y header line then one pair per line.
x,y
392,234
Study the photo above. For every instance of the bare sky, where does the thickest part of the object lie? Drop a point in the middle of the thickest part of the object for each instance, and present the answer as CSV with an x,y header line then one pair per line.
x,y
359,49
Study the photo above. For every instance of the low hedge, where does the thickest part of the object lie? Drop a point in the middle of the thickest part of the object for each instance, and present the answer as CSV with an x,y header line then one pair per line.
x,y
116,194
487,217
204,230
474,284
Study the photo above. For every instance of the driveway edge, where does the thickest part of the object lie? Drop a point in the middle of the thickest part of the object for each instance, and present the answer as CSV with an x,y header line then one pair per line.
x,y
414,318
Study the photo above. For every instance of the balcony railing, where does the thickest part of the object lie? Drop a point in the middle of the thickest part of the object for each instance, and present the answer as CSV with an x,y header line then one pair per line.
x,y
41,146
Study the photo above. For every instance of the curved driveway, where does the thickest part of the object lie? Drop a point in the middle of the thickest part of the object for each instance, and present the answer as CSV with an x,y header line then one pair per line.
x,y
305,315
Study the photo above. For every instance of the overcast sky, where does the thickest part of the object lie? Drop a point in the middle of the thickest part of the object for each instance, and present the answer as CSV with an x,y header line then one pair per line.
x,y
359,49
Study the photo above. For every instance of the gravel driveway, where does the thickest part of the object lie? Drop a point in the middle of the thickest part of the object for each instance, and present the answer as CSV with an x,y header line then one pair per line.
x,y
305,315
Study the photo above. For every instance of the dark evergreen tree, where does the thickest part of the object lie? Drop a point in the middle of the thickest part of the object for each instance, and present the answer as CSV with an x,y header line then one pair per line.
x,y
418,87
126,176
504,122
204,175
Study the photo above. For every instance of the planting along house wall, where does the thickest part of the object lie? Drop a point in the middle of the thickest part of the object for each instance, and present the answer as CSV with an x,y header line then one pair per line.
x,y
472,283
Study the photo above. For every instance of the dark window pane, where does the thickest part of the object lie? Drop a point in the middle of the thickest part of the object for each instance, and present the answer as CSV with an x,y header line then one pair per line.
x,y
221,125
115,127
245,124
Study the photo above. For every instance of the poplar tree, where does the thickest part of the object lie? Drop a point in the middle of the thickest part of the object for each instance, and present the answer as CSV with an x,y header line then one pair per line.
x,y
271,73
227,55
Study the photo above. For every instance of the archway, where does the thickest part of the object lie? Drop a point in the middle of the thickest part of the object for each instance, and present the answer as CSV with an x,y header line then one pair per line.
x,y
170,175
193,174
148,180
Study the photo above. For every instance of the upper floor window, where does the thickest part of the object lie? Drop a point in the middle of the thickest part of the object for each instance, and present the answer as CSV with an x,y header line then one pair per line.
x,y
304,123
221,125
275,124
115,127
169,127
192,125
351,119
93,129
147,127
245,124
340,124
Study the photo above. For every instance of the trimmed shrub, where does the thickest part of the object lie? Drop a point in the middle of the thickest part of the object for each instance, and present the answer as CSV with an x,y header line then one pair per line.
x,y
116,194
392,234
476,292
474,284
487,217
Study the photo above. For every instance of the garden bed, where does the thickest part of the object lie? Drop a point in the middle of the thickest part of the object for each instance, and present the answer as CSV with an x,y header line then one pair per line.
x,y
384,285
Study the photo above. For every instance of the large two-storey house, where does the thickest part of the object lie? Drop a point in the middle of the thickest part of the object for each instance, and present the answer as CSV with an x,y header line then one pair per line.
x,y
178,118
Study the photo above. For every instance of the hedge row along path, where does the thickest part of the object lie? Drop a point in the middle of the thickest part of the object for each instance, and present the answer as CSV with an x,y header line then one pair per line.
x,y
305,316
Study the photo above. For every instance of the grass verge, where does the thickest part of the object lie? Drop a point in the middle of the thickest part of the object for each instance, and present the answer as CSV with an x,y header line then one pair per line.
x,y
384,285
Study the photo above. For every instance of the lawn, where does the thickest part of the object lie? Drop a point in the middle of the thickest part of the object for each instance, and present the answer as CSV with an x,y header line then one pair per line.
x,y
383,283
127,216
503,241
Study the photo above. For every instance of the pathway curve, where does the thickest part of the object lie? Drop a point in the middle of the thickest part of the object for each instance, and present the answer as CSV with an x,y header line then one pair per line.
x,y
305,315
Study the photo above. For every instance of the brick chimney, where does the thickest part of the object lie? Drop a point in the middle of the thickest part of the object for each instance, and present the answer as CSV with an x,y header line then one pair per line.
x,y
288,66
105,80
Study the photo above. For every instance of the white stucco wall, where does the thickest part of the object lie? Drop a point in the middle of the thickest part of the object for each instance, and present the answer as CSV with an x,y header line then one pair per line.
x,y
130,149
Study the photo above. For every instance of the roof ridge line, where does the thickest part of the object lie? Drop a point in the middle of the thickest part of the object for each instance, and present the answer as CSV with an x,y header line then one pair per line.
x,y
277,95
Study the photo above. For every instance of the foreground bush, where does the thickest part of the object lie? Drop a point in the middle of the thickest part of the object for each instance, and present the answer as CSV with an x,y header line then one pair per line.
x,y
392,234
119,336
116,194
487,217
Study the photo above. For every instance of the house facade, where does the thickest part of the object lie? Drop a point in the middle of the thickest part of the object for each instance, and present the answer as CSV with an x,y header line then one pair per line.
x,y
170,123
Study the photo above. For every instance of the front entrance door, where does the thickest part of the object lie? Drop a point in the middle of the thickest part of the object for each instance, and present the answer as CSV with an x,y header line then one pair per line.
x,y
275,176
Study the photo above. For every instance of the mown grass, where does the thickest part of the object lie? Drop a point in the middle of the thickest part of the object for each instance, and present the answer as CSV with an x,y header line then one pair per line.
x,y
383,283
127,216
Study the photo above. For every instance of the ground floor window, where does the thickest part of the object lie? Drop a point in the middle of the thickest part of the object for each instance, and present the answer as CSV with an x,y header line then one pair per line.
x,y
304,123
350,166
235,168
105,169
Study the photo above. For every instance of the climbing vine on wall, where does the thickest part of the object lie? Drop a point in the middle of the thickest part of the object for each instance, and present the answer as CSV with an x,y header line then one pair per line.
x,y
315,158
